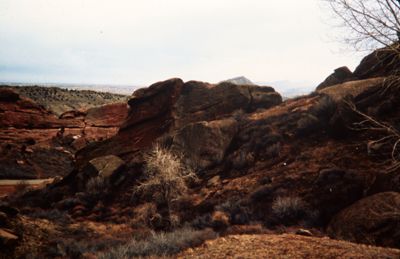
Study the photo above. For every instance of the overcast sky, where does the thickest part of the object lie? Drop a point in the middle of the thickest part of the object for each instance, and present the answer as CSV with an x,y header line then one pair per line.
x,y
138,42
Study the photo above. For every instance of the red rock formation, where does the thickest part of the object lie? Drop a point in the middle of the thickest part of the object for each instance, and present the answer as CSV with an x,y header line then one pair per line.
x,y
23,122
167,106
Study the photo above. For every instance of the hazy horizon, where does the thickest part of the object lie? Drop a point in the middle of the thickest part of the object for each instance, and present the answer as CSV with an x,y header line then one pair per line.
x,y
135,43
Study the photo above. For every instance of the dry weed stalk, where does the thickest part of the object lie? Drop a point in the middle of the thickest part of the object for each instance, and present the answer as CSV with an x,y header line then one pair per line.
x,y
392,135
166,175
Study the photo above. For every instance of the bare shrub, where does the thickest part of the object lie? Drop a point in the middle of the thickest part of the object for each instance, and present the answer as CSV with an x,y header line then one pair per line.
x,y
369,23
160,244
238,213
52,215
96,185
79,248
307,125
273,150
262,193
166,177
289,210
324,108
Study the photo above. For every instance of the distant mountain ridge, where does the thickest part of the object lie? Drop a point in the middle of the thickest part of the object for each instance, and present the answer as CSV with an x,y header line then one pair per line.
x,y
240,80
288,89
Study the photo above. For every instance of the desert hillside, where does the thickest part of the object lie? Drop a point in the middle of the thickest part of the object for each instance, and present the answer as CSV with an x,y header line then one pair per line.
x,y
59,100
199,170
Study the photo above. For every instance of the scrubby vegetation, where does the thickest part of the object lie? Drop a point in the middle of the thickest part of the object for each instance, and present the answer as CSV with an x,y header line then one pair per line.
x,y
290,210
59,100
166,179
160,244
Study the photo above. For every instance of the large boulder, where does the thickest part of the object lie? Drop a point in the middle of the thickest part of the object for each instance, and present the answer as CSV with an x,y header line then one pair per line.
x,y
374,220
106,166
153,103
105,169
204,102
381,62
339,76
205,143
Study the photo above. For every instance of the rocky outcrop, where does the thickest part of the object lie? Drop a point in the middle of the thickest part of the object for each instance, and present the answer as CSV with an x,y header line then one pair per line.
x,y
381,62
168,106
339,76
374,220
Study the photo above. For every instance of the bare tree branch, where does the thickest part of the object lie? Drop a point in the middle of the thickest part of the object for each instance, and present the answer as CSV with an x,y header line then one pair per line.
x,y
371,23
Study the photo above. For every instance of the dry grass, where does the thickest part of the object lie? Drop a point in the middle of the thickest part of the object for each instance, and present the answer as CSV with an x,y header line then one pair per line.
x,y
160,244
289,210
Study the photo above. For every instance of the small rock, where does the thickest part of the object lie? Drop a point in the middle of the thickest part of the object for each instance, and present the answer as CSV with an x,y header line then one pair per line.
x,y
304,232
28,150
20,162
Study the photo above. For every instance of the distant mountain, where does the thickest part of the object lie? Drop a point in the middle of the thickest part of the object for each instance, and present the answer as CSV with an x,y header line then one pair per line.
x,y
286,88
290,89
241,80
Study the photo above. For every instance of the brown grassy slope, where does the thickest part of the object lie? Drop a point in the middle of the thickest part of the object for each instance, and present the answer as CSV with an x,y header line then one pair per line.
x,y
285,246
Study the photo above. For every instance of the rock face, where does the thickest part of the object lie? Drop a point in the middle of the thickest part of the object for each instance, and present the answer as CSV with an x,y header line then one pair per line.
x,y
339,76
205,143
167,107
373,220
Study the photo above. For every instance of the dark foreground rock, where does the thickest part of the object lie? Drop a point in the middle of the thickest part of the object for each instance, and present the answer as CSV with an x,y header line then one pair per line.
x,y
374,220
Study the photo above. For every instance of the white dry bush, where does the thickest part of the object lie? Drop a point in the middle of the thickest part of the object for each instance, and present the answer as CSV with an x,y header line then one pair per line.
x,y
165,175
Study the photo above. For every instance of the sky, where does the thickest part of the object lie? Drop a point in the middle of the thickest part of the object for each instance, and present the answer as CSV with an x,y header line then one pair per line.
x,y
136,42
